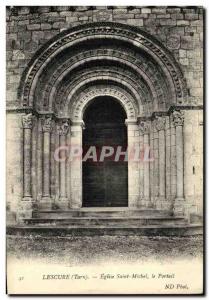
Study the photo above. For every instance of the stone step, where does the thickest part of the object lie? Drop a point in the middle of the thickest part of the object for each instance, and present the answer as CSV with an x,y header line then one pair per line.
x,y
108,221
151,230
99,212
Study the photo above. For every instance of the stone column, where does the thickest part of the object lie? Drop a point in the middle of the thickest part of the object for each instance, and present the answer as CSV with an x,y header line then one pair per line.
x,y
133,168
144,128
63,128
160,126
46,196
178,119
75,160
26,205
173,159
39,157
151,165
168,159
155,165
27,122
141,168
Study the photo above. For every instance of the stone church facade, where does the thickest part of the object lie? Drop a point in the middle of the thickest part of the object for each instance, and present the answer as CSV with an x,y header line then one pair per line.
x,y
61,61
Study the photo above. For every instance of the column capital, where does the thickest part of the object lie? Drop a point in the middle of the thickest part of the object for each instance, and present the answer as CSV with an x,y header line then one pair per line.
x,y
63,127
159,123
27,121
178,117
47,123
144,127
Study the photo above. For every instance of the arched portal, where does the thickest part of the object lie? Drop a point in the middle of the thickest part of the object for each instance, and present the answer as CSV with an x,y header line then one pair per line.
x,y
105,168
71,74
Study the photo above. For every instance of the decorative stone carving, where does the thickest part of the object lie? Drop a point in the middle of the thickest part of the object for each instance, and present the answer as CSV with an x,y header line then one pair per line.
x,y
18,54
47,124
178,118
63,127
160,123
27,121
173,41
144,127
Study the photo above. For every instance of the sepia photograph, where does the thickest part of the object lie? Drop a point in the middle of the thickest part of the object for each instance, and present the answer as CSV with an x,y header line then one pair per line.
x,y
104,150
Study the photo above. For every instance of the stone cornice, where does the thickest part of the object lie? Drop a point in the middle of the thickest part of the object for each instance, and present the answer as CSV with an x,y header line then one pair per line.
x,y
170,111
28,110
185,107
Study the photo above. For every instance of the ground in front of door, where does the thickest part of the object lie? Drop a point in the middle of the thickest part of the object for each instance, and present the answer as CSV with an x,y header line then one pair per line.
x,y
75,251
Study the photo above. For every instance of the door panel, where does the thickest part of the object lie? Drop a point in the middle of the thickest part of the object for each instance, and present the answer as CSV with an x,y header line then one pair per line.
x,y
105,184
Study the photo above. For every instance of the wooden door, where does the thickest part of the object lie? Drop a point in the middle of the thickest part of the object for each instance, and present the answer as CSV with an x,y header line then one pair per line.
x,y
105,183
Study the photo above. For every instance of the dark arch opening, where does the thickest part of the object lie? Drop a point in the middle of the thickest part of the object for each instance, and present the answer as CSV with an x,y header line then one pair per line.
x,y
105,172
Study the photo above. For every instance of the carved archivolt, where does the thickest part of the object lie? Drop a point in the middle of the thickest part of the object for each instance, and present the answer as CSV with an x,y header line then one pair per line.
x,y
139,65
135,87
91,93
132,35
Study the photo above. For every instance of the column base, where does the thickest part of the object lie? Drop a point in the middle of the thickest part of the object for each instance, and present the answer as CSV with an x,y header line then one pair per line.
x,y
25,209
45,203
178,207
145,202
75,205
160,203
63,203
133,201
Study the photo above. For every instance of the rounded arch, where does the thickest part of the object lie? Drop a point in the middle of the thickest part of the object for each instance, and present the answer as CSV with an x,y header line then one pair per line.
x,y
130,90
106,30
90,94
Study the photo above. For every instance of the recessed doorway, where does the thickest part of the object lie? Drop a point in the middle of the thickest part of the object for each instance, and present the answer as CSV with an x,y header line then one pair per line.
x,y
105,177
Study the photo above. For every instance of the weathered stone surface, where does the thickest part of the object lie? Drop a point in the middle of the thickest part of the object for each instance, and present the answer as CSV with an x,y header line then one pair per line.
x,y
33,27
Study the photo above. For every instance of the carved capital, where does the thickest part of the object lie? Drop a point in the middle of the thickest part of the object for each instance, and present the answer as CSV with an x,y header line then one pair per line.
x,y
160,123
27,121
63,127
47,124
178,118
144,127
